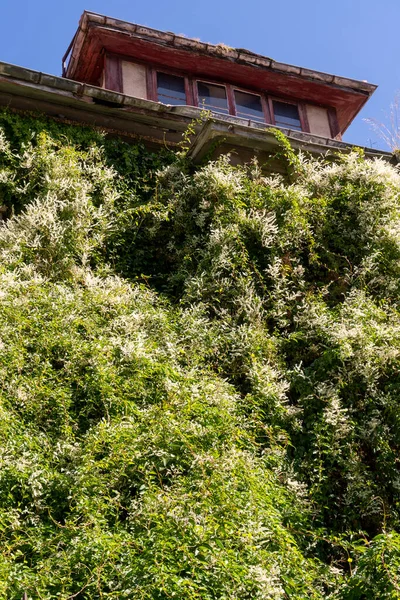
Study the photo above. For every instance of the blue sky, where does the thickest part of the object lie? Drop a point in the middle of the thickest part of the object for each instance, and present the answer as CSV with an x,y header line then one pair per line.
x,y
352,38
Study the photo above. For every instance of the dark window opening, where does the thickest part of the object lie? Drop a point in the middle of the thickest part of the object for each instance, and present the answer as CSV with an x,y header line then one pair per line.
x,y
287,115
212,97
248,106
171,89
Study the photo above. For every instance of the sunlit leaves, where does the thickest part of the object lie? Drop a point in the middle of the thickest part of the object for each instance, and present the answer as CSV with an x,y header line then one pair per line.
x,y
199,373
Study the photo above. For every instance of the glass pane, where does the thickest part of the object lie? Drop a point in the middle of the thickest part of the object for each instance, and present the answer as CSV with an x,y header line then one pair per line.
x,y
170,89
287,115
212,97
248,106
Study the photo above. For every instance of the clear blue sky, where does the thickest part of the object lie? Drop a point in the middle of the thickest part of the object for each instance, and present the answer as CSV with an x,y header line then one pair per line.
x,y
352,38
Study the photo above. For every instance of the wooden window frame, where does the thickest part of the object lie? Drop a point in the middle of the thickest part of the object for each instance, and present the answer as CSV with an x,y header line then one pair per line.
x,y
264,103
152,84
229,104
333,123
305,126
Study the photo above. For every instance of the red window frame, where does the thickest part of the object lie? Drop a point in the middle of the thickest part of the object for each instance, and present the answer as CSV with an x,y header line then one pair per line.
x,y
152,84
264,103
300,107
216,83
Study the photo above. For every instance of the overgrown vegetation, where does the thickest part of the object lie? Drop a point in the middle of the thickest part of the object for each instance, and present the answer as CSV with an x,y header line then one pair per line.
x,y
199,373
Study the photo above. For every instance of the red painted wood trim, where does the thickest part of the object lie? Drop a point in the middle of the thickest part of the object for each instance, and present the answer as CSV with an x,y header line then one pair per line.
x,y
189,91
305,125
334,124
231,100
113,73
151,82
102,63
271,110
195,92
266,109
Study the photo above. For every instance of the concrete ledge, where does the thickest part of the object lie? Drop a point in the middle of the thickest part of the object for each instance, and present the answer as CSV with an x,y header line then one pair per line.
x,y
217,131
19,72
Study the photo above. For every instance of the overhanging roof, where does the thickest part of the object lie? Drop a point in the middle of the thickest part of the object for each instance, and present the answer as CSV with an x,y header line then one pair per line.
x,y
98,33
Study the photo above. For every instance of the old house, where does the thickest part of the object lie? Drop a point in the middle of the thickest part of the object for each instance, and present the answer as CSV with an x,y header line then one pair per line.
x,y
143,83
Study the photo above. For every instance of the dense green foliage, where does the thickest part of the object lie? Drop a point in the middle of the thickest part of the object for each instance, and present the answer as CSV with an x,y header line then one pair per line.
x,y
199,373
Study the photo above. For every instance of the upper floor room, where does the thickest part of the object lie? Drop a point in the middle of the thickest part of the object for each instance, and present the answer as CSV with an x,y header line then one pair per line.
x,y
153,86
174,70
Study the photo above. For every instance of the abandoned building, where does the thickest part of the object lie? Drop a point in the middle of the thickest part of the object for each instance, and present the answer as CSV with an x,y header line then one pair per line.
x,y
142,83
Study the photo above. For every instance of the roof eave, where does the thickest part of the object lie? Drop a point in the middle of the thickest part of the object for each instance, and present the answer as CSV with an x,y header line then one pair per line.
x,y
241,55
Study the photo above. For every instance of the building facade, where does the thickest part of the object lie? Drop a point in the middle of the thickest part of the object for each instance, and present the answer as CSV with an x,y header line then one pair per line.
x,y
148,84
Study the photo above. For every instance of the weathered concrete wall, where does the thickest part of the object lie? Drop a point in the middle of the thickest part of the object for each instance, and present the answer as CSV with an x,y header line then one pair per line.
x,y
134,79
318,120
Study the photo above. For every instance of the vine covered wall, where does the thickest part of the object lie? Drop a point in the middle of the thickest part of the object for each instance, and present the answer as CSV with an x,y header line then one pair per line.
x,y
199,373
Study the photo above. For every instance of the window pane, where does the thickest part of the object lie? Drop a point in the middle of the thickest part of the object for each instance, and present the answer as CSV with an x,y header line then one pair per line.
x,y
212,97
287,115
248,106
170,89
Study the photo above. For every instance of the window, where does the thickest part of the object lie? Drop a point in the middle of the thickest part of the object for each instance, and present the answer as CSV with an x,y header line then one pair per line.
x,y
212,97
170,89
286,115
248,106
180,89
